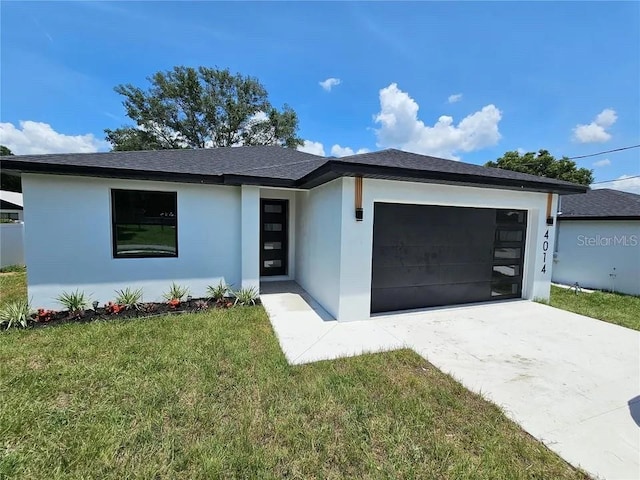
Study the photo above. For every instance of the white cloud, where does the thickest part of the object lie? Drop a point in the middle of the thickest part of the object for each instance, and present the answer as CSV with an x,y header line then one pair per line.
x,y
625,183
401,128
338,151
329,83
33,138
521,151
596,130
602,163
456,97
259,117
315,148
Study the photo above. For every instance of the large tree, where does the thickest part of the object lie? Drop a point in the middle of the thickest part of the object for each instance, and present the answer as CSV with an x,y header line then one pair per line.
x,y
200,108
9,182
544,164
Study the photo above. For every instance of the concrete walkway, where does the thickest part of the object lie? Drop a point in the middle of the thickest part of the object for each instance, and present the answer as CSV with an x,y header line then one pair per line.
x,y
571,381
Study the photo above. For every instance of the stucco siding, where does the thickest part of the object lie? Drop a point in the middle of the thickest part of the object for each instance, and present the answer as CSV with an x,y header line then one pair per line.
x,y
318,239
68,241
600,254
11,244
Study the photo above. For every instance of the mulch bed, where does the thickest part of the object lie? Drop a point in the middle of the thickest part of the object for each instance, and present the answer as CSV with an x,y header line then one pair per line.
x,y
47,318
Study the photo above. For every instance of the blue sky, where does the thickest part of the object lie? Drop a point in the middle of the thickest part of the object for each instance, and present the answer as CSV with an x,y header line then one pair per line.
x,y
460,80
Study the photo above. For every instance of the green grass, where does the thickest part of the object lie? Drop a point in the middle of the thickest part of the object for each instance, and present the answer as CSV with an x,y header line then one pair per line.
x,y
13,286
13,269
611,307
211,396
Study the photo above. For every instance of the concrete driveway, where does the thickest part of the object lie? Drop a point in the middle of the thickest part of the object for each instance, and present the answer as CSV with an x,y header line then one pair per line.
x,y
571,381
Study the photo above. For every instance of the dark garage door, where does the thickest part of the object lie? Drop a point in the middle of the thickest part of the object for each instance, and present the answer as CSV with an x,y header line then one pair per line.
x,y
427,255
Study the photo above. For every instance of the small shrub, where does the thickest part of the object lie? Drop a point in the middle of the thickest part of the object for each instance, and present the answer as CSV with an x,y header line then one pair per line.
x,y
149,307
129,298
44,315
176,292
201,305
225,303
218,292
113,308
74,301
246,296
15,314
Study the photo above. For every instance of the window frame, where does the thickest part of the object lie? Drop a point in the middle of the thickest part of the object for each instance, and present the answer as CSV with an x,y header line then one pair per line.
x,y
114,224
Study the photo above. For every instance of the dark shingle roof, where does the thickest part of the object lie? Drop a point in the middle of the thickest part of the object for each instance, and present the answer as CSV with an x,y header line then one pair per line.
x,y
4,205
277,166
282,162
602,203
399,158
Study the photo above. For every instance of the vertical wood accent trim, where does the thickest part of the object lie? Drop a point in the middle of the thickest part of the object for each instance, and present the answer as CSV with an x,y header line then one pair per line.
x,y
549,202
358,192
358,199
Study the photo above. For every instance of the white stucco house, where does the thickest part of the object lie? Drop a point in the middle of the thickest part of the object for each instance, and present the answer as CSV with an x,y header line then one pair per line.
x,y
598,241
363,234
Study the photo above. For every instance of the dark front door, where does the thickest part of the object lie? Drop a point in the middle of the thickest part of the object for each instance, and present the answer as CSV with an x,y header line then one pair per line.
x,y
427,255
273,237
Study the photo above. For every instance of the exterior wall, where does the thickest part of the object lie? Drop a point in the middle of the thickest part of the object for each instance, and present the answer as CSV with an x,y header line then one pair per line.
x,y
290,195
318,238
11,244
68,239
591,251
357,237
250,233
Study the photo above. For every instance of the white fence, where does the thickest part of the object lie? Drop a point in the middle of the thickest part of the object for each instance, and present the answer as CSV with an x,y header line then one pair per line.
x,y
11,244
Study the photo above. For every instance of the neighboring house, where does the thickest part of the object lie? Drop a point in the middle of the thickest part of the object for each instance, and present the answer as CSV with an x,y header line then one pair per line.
x,y
11,229
362,234
598,241
10,206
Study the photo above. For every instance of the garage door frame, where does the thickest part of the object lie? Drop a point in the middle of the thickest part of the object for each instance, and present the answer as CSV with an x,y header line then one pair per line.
x,y
467,255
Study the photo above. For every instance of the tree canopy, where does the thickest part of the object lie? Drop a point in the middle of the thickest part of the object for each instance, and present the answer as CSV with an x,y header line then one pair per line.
x,y
200,108
9,182
544,164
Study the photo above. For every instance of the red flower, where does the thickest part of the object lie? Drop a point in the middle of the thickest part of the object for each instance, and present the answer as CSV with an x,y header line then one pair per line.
x,y
113,308
45,315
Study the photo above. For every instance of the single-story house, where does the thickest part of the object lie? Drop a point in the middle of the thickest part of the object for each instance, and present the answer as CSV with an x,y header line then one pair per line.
x,y
10,206
362,234
598,241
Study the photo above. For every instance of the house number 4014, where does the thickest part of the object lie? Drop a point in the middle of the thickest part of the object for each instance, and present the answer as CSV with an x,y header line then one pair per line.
x,y
545,248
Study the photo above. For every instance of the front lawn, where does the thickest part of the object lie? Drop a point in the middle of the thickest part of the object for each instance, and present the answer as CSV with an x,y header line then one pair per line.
x,y
611,307
13,286
210,395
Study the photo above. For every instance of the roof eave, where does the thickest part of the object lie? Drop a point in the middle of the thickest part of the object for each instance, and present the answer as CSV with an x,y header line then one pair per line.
x,y
330,170
7,205
105,172
336,168
237,180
